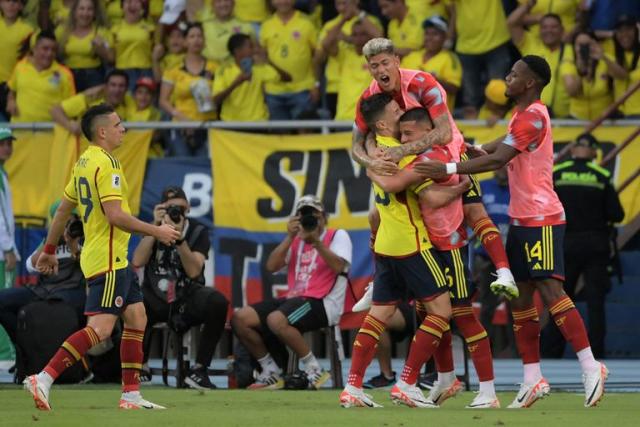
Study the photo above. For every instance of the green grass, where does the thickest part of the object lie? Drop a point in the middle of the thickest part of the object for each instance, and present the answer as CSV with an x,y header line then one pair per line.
x,y
96,406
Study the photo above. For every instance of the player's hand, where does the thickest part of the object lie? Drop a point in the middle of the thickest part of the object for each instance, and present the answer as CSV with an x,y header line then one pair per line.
x,y
383,167
47,264
433,169
293,226
10,260
167,234
393,154
475,151
159,211
378,153
464,182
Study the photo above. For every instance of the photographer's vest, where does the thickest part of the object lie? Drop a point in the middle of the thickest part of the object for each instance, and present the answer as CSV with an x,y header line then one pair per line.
x,y
308,273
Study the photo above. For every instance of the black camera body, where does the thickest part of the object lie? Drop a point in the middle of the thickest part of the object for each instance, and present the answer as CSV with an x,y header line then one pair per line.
x,y
75,229
175,212
308,220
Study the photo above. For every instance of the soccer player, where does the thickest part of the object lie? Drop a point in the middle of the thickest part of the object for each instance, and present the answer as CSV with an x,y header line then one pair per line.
x,y
535,238
98,189
447,234
412,89
405,263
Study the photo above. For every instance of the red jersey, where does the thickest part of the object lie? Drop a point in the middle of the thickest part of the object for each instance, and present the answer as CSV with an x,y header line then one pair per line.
x,y
533,199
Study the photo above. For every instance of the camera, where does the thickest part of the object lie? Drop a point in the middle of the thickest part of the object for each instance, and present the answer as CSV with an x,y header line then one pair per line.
x,y
175,212
75,228
308,220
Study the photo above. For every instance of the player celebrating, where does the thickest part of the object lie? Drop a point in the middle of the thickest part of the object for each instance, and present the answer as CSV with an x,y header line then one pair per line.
x,y
534,242
99,190
413,89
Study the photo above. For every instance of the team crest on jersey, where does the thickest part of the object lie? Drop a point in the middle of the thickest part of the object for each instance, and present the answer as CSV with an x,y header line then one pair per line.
x,y
119,301
296,35
115,180
55,79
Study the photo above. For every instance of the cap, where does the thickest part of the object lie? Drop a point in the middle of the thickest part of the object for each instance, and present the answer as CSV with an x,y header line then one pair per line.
x,y
626,20
436,21
171,11
311,201
146,82
587,140
5,133
172,192
494,92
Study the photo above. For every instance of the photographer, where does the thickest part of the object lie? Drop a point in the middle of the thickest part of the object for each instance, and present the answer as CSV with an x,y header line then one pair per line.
x,y
173,284
317,260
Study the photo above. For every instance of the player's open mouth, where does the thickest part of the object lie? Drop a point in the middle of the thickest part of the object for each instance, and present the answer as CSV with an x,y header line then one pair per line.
x,y
385,79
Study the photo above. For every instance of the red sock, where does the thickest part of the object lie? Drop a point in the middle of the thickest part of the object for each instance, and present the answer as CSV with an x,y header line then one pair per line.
x,y
570,323
477,341
364,348
443,355
526,327
425,343
131,356
72,350
489,235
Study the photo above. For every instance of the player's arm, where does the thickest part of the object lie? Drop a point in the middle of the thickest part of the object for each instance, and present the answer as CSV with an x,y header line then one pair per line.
x,y
440,135
118,218
47,263
359,154
437,196
395,183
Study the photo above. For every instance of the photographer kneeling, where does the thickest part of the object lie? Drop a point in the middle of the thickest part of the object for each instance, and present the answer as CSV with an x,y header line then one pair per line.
x,y
173,284
317,260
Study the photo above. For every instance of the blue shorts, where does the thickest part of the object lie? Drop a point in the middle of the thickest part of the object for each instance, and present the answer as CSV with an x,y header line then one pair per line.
x,y
536,253
418,276
455,264
112,292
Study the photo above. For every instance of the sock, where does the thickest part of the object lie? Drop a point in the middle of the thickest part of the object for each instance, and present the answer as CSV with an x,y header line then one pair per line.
x,y
489,235
477,341
131,356
45,379
569,322
268,365
487,387
532,373
588,363
526,328
443,355
364,348
425,342
446,377
310,362
72,350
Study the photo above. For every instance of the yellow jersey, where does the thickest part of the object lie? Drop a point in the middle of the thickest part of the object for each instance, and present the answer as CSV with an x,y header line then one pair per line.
x,y
76,105
59,12
424,9
252,10
246,102
402,231
113,9
445,65
554,94
12,37
290,46
332,68
407,34
97,177
354,78
565,9
171,60
480,25
133,44
595,97
631,106
78,52
182,96
38,91
217,33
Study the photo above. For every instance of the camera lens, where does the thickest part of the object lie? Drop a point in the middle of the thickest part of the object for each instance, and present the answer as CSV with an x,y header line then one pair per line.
x,y
175,213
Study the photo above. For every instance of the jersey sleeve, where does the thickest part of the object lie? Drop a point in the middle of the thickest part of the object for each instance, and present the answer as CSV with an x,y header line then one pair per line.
x,y
525,132
109,180
431,95
70,190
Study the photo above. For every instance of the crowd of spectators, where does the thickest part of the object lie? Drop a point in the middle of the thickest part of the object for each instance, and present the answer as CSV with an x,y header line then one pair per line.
x,y
254,60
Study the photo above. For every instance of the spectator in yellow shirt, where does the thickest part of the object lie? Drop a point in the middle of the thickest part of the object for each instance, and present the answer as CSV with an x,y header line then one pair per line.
x,y
290,40
566,10
185,94
424,9
496,104
114,12
133,42
627,54
59,12
404,26
482,45
38,81
171,53
237,88
333,34
143,110
443,64
14,32
85,44
219,23
253,11
547,42
588,78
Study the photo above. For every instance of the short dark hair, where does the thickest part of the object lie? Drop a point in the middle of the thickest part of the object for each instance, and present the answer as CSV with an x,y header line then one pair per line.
x,y
89,117
539,67
418,114
191,25
236,41
117,72
552,15
172,192
373,106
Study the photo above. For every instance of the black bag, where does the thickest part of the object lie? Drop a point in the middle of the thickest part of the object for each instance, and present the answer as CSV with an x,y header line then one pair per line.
x,y
296,381
42,328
